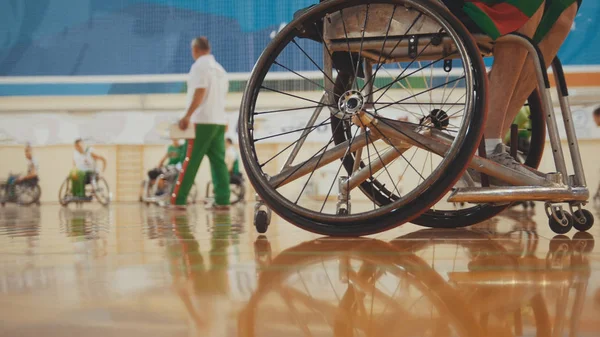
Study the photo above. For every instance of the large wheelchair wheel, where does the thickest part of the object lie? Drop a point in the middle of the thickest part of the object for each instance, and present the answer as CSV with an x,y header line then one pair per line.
x,y
102,191
28,194
444,215
384,54
65,193
238,192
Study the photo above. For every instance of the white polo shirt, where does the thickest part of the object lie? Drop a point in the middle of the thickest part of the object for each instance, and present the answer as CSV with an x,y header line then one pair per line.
x,y
207,73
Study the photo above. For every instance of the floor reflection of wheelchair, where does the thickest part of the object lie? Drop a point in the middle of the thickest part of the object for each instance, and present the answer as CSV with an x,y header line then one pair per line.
x,y
95,187
160,192
377,64
236,186
363,286
25,193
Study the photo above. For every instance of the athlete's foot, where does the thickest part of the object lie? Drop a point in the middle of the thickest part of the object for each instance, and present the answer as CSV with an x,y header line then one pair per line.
x,y
501,156
176,207
217,208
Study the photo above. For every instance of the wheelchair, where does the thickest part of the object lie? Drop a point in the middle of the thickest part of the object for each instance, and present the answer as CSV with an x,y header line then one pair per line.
x,y
24,193
362,66
96,187
153,194
236,186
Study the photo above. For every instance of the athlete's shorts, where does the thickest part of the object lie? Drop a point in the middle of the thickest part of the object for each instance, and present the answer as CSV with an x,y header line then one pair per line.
x,y
496,18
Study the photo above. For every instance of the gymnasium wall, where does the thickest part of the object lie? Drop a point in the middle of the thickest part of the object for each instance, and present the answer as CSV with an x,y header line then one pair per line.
x,y
113,72
141,37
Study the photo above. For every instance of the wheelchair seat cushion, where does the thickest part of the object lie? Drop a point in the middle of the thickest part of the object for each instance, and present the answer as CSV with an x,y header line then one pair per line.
x,y
496,18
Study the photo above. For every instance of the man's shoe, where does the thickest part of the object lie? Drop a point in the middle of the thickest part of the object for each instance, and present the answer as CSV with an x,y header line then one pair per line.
x,y
502,157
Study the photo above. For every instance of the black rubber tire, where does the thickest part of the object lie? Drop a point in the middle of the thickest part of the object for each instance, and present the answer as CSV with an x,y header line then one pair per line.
x,y
346,226
62,192
479,213
261,221
589,220
103,202
239,197
560,228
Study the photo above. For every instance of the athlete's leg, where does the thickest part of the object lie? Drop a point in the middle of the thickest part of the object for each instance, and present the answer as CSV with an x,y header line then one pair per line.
x,y
218,167
77,183
195,153
508,63
549,47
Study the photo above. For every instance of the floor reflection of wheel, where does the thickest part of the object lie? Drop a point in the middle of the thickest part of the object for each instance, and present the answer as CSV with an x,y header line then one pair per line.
x,y
354,288
64,193
102,191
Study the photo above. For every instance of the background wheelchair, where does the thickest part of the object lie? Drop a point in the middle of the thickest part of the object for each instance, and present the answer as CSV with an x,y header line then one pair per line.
x,y
236,186
378,62
95,187
154,194
25,193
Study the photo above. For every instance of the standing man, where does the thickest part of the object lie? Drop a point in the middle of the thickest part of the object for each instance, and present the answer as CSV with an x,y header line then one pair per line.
x,y
207,88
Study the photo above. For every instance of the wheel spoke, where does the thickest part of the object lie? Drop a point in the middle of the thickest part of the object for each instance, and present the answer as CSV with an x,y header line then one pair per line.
x,y
292,131
289,109
312,61
339,169
362,38
397,44
296,96
303,137
324,150
421,93
302,76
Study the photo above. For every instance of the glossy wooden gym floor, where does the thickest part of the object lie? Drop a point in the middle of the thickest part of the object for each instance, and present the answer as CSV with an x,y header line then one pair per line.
x,y
134,270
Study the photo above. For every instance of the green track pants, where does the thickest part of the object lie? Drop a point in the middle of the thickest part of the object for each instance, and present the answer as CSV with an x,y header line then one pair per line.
x,y
210,141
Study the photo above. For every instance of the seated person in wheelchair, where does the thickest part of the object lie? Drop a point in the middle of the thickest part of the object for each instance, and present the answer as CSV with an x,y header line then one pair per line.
x,y
513,77
174,158
232,159
84,167
32,172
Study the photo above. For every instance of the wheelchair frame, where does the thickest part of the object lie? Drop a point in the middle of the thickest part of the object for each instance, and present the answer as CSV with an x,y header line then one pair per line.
x,y
553,188
164,198
95,177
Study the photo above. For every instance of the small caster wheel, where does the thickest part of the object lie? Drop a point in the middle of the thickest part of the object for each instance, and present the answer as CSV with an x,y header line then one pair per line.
x,y
342,211
559,241
261,221
583,242
583,220
565,224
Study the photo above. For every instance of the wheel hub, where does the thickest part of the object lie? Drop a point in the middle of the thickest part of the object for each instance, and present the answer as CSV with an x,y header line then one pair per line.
x,y
350,103
439,119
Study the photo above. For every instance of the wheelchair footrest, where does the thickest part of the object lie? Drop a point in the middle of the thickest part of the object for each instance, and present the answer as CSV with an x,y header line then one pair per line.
x,y
502,194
